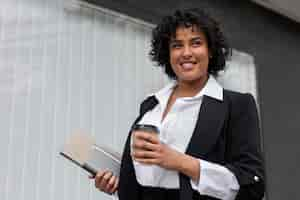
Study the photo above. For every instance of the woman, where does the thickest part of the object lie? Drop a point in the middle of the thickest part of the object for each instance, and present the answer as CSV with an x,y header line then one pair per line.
x,y
208,144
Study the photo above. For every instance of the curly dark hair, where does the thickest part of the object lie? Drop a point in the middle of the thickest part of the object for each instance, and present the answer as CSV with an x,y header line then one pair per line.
x,y
166,30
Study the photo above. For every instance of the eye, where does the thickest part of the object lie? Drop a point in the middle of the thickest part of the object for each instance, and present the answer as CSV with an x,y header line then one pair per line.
x,y
175,45
196,43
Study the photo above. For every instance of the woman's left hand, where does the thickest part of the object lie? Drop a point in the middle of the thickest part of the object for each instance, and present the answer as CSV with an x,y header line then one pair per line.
x,y
147,149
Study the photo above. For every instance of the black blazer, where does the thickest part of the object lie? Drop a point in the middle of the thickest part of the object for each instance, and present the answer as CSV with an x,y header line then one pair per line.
x,y
227,133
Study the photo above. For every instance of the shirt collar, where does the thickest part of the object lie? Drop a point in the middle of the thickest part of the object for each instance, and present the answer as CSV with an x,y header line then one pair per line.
x,y
212,89
163,95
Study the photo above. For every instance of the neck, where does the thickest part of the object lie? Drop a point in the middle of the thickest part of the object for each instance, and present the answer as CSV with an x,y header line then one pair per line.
x,y
190,88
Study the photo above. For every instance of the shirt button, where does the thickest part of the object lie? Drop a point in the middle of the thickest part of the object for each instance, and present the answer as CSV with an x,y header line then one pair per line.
x,y
256,178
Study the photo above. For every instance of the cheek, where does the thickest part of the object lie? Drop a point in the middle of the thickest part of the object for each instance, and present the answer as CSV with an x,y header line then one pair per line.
x,y
203,53
174,61
203,57
203,61
173,57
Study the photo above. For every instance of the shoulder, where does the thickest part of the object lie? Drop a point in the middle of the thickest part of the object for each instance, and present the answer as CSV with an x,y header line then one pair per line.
x,y
238,97
239,102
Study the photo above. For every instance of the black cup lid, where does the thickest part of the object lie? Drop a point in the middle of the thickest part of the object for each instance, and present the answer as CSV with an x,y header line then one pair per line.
x,y
145,127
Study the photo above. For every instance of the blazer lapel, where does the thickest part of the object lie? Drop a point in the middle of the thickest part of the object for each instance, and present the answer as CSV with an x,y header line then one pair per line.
x,y
208,127
148,104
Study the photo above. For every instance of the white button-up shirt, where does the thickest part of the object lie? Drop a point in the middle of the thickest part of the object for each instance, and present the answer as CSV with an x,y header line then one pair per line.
x,y
176,131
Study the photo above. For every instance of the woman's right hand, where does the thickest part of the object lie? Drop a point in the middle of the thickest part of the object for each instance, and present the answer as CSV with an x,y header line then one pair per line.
x,y
106,182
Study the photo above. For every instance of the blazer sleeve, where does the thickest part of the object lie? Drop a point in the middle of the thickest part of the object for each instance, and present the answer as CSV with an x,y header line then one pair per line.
x,y
243,152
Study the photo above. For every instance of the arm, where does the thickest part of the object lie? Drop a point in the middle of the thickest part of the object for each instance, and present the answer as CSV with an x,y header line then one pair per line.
x,y
206,177
242,176
243,154
216,181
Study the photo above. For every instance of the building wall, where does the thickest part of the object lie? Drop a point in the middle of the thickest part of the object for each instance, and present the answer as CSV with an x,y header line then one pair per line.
x,y
274,42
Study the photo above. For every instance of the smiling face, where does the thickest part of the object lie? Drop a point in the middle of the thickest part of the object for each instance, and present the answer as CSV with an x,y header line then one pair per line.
x,y
189,55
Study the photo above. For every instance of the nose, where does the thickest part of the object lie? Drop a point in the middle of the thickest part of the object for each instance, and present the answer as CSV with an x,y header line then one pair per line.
x,y
187,52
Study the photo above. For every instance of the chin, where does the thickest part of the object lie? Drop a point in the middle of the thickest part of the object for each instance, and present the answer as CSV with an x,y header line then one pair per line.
x,y
189,80
192,78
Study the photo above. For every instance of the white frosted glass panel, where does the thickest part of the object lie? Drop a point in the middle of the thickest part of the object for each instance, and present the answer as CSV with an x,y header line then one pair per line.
x,y
240,74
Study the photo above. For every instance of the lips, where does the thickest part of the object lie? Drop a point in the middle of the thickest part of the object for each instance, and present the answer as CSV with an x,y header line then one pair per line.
x,y
187,65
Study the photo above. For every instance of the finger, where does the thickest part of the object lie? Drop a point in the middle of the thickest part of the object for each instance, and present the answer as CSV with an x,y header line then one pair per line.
x,y
105,179
110,184
148,161
150,137
100,173
115,187
98,178
140,154
143,145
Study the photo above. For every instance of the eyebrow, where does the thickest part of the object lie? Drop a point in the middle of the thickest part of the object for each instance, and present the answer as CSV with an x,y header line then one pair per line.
x,y
173,40
197,38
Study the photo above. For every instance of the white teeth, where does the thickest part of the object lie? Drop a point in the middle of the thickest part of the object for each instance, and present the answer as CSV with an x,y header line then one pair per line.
x,y
187,66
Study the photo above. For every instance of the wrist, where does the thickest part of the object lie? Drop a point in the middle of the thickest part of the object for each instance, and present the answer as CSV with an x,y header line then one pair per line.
x,y
189,166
